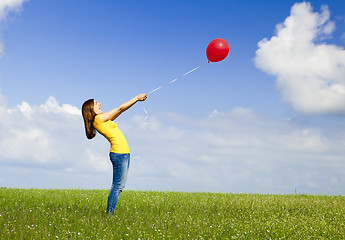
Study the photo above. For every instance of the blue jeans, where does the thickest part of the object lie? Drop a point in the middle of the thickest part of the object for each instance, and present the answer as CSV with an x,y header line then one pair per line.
x,y
120,170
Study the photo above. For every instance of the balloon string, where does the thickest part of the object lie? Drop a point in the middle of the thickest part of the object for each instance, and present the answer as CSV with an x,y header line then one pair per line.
x,y
155,89
147,116
190,71
172,81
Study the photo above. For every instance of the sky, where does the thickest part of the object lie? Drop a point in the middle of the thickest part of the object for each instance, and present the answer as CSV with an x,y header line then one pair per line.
x,y
267,119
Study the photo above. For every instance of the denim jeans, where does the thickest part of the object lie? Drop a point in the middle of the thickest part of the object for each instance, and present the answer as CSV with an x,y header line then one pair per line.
x,y
120,170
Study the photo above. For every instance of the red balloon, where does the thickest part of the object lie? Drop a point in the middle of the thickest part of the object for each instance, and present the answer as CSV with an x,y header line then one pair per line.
x,y
217,50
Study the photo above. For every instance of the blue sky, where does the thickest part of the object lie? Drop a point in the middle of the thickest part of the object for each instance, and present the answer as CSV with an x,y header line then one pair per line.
x,y
269,118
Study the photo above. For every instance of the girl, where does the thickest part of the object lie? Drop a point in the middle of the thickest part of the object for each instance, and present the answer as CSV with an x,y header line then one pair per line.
x,y
95,119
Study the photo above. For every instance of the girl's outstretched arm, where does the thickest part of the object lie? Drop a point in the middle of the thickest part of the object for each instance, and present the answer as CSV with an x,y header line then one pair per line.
x,y
113,114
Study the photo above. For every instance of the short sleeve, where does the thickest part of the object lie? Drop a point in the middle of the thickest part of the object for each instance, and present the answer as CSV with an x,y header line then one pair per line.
x,y
97,120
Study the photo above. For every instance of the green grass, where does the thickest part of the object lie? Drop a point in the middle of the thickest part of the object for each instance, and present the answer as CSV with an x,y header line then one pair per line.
x,y
80,214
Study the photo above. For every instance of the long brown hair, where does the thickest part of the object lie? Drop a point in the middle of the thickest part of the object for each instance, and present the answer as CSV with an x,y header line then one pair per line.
x,y
89,116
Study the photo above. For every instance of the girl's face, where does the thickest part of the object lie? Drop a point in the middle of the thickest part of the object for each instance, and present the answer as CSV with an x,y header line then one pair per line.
x,y
97,107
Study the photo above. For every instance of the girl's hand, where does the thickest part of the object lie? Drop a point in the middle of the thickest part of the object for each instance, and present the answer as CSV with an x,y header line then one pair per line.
x,y
142,97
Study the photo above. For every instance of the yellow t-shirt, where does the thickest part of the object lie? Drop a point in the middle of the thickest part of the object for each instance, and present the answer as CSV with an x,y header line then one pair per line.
x,y
111,132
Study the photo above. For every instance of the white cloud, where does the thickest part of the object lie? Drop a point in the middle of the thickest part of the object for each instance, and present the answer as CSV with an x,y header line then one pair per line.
x,y
7,6
310,73
45,136
234,151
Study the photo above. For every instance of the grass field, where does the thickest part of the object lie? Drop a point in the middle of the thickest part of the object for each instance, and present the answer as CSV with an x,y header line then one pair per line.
x,y
80,214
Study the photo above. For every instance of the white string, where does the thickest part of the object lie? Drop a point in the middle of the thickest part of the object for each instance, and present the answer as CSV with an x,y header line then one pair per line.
x,y
190,71
173,81
147,116
156,89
